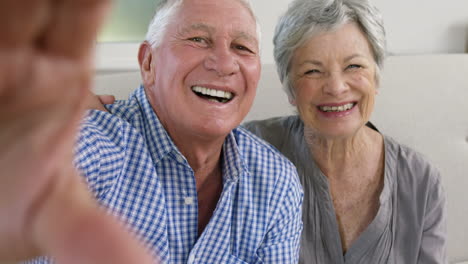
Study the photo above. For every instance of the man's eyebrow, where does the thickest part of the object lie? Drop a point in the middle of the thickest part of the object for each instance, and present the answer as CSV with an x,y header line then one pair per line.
x,y
246,36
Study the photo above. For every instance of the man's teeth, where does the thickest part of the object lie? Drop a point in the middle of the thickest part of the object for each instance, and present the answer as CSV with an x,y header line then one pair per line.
x,y
340,108
212,92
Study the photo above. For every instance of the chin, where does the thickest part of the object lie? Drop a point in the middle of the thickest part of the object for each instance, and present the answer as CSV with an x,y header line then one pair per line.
x,y
217,128
341,131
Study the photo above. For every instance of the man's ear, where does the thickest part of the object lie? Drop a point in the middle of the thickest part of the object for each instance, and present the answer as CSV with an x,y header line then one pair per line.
x,y
292,101
145,58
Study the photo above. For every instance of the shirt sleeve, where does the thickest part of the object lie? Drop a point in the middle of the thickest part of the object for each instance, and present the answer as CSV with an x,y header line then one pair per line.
x,y
281,244
99,151
434,237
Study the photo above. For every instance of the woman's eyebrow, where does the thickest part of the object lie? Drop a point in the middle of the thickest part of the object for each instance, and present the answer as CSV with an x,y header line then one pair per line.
x,y
356,55
313,62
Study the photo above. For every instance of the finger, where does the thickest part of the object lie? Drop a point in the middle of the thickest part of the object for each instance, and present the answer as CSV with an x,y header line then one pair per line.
x,y
34,143
106,98
33,82
97,102
22,21
71,228
94,103
74,26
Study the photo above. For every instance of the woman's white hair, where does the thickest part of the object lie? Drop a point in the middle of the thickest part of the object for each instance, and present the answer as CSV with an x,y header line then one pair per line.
x,y
165,10
305,19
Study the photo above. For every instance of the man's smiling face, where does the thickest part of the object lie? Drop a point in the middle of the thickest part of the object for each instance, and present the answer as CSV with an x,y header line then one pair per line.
x,y
206,68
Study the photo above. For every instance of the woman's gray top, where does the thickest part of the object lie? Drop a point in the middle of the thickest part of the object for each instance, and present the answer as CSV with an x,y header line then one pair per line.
x,y
410,225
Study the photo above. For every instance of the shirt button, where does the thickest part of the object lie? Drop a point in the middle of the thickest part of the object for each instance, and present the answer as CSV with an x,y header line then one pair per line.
x,y
180,159
191,259
188,201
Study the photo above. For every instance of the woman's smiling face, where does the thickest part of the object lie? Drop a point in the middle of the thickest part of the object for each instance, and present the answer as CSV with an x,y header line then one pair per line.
x,y
333,75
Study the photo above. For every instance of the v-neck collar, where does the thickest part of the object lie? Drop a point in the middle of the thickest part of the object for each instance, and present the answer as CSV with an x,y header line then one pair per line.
x,y
381,222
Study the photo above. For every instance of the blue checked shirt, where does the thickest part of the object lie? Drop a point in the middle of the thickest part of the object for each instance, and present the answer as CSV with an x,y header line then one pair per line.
x,y
134,169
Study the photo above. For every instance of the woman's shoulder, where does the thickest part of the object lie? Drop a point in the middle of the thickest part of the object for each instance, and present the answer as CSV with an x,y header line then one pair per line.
x,y
412,169
421,202
275,127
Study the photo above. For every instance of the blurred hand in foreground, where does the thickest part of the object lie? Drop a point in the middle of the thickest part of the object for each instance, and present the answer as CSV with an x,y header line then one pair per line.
x,y
45,71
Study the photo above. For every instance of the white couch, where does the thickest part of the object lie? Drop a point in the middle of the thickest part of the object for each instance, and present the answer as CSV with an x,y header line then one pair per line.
x,y
423,102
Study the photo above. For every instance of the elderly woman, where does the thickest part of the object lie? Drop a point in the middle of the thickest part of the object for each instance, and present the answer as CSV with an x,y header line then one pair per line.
x,y
367,198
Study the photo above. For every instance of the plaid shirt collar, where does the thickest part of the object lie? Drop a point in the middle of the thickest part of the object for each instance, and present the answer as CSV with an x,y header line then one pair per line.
x,y
161,144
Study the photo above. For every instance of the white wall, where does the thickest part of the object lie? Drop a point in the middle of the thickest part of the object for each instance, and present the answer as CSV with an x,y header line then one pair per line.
x,y
425,26
413,26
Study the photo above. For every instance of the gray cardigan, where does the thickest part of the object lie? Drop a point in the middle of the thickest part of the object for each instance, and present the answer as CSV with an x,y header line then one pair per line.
x,y
410,225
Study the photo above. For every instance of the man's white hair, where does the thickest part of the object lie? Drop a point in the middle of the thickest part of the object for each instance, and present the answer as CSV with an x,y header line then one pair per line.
x,y
165,11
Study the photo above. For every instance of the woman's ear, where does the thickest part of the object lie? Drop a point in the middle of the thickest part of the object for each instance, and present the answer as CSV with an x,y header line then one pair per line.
x,y
145,57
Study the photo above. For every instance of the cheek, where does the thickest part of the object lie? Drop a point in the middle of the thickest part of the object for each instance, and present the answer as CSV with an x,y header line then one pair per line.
x,y
364,83
252,71
163,69
305,96
306,89
368,105
367,88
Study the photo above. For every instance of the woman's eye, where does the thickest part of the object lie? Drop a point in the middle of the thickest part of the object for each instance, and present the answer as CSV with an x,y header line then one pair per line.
x,y
313,71
354,66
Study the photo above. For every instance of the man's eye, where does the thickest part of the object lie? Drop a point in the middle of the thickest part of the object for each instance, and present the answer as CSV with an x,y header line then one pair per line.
x,y
242,48
197,39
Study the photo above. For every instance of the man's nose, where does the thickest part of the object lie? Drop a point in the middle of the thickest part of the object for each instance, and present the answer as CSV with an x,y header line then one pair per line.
x,y
223,61
335,84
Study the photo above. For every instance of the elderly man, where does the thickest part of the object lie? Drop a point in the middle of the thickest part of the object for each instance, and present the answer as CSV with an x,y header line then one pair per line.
x,y
170,161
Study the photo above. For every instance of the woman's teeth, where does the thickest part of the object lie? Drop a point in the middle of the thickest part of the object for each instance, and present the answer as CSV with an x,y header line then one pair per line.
x,y
340,108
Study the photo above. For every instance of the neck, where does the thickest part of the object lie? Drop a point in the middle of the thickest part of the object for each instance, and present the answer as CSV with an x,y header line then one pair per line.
x,y
203,156
336,156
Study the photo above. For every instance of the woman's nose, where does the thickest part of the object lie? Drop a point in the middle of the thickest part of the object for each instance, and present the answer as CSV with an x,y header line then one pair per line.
x,y
335,84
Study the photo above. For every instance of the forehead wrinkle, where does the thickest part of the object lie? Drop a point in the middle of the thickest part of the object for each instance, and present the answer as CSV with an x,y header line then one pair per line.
x,y
198,27
356,55
313,62
238,34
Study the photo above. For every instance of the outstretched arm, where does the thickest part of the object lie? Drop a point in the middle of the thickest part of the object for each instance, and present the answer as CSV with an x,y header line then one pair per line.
x,y
45,72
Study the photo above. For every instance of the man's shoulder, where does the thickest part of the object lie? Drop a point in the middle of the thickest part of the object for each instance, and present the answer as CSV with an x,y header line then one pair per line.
x,y
250,141
260,155
104,140
121,116
125,109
